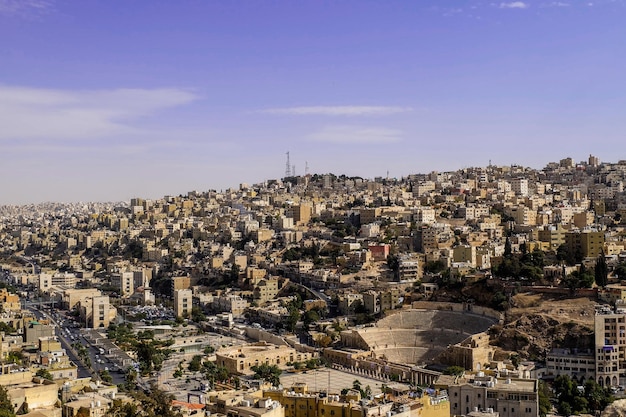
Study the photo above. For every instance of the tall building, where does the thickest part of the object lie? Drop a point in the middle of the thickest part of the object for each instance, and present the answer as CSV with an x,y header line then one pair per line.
x,y
183,302
301,213
520,186
588,243
97,312
610,345
124,282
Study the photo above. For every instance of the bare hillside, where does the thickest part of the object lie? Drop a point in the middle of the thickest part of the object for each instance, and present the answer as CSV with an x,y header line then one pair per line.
x,y
536,323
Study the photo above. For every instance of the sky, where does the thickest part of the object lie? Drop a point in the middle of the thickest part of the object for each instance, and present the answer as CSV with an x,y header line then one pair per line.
x,y
105,100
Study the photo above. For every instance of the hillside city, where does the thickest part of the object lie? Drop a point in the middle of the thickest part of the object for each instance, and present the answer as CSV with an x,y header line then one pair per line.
x,y
491,291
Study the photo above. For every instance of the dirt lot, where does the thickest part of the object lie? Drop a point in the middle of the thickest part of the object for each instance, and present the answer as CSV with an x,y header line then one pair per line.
x,y
578,310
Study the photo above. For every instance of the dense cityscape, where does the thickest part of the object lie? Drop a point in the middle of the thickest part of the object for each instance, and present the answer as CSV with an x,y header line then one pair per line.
x,y
488,291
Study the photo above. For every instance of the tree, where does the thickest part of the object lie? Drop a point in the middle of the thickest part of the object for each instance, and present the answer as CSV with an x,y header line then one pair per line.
x,y
196,363
572,401
292,318
44,373
123,409
620,271
454,370
601,271
543,392
269,373
6,406
393,263
157,404
197,314
106,376
310,317
323,340
508,251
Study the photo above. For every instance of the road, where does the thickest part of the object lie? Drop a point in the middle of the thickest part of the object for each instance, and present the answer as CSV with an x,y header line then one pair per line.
x,y
83,371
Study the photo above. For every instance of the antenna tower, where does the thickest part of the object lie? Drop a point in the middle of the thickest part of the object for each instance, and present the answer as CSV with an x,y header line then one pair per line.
x,y
288,167
306,168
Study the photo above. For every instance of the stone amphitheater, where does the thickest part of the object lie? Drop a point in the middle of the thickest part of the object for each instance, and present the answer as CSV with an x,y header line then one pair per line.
x,y
417,336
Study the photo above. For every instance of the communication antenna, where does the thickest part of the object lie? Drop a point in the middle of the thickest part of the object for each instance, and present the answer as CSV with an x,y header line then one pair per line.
x,y
306,168
288,167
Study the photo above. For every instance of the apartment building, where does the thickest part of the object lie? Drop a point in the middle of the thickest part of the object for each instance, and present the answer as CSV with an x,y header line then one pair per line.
x,y
124,282
580,365
610,347
97,312
507,396
589,243
183,302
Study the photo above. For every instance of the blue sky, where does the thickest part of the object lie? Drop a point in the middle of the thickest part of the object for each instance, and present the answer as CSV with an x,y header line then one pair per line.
x,y
110,99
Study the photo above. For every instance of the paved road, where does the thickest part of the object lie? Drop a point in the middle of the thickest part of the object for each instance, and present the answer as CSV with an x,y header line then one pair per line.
x,y
83,371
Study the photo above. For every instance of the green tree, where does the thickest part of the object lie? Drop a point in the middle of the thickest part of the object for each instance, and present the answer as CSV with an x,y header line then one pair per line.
x,y
601,271
197,314
620,271
544,395
15,357
292,318
6,328
44,373
454,370
508,250
157,403
310,317
269,373
196,363
6,406
105,376
123,409
393,263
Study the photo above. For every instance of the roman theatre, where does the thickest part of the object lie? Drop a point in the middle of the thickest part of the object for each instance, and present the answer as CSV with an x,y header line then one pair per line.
x,y
419,336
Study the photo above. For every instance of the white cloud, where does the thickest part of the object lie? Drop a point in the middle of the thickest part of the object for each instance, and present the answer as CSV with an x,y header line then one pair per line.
x,y
339,110
514,5
356,134
33,113
24,7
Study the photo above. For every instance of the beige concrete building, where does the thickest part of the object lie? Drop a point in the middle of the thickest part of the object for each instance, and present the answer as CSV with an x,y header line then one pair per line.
x,y
610,345
299,402
97,312
230,303
266,290
92,405
589,243
124,282
506,396
238,360
183,302
8,301
243,404
72,297
579,365
33,394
